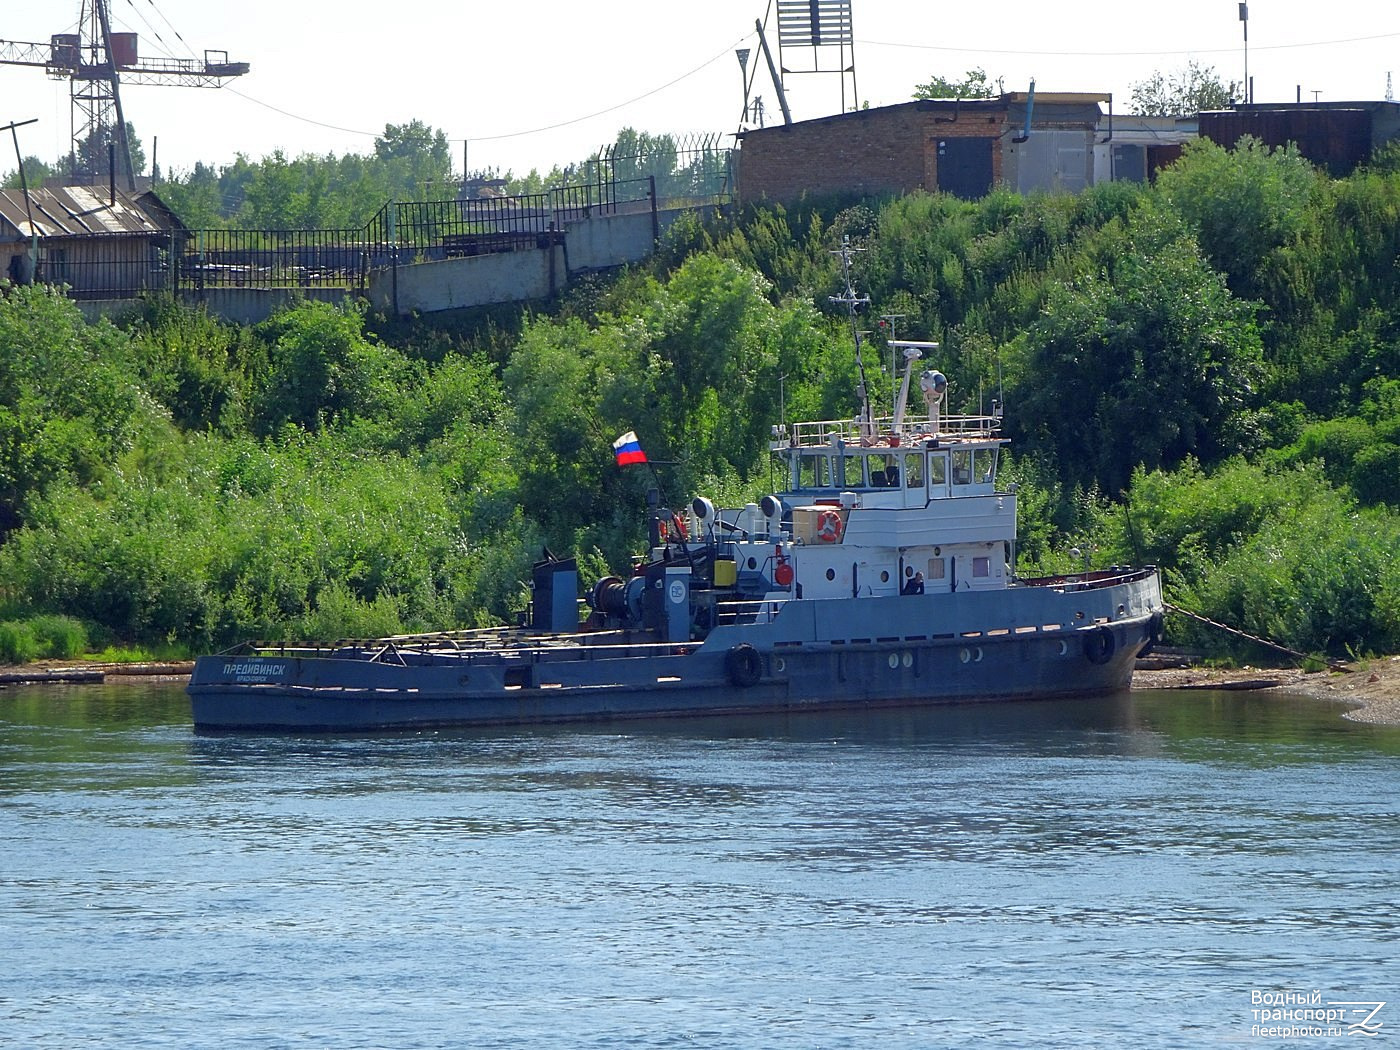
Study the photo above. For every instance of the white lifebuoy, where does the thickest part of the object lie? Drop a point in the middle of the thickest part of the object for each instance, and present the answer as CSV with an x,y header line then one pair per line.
x,y
830,526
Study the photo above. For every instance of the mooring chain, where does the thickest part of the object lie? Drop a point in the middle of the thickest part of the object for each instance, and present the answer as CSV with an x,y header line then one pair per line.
x,y
1334,664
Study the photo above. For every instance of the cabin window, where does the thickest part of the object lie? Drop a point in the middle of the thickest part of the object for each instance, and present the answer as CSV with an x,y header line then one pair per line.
x,y
914,471
938,470
854,472
936,569
815,473
884,471
962,467
984,465
982,566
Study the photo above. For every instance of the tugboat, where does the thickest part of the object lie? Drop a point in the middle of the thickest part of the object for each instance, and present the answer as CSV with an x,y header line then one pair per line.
x,y
880,574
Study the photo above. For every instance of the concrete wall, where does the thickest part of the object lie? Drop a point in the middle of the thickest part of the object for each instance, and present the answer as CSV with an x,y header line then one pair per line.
x,y
452,284
595,243
609,240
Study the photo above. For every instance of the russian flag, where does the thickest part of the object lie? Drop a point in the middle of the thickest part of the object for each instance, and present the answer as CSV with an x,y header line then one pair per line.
x,y
628,449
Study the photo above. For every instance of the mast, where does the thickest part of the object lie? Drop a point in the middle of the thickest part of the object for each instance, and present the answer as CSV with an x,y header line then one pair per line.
x,y
850,300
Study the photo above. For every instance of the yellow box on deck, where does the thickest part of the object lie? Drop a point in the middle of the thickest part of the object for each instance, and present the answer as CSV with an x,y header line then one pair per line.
x,y
726,572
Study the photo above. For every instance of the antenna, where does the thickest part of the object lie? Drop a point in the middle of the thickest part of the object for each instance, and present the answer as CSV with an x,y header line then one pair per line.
x,y
850,300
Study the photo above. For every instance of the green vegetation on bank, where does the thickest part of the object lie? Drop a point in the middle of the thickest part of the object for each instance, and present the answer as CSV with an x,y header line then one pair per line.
x,y
1202,374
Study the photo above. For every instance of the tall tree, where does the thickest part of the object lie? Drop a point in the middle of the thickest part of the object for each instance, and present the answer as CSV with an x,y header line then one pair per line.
x,y
1190,90
974,85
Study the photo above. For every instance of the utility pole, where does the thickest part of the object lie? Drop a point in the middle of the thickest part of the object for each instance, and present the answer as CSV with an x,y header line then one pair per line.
x,y
1244,21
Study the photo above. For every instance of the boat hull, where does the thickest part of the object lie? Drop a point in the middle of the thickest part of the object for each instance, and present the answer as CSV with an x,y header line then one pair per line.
x,y
315,693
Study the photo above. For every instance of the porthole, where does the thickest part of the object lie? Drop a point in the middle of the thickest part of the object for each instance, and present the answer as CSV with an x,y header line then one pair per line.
x,y
977,655
894,661
831,574
885,576
907,659
1064,647
964,655
779,665
753,563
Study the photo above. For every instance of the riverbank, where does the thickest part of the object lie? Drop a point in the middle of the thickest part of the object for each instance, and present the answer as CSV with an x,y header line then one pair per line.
x,y
1370,687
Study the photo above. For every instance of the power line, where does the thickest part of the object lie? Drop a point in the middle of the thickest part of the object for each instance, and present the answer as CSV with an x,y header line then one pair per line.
x,y
1122,54
511,134
646,94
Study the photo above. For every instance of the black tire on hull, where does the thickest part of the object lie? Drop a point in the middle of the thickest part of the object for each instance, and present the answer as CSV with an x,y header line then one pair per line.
x,y
743,665
1099,645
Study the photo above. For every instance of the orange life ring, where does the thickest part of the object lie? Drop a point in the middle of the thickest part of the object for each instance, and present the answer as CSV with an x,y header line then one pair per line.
x,y
830,526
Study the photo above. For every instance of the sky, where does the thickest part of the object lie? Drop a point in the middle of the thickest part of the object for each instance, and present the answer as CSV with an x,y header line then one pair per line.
x,y
541,83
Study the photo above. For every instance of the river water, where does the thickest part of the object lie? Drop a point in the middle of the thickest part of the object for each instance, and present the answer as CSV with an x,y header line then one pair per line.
x,y
1144,870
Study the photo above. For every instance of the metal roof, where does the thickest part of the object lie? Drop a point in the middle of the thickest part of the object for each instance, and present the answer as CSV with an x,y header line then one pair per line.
x,y
61,211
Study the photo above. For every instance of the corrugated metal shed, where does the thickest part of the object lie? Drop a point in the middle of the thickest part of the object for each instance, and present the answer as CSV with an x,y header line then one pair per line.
x,y
1337,136
61,211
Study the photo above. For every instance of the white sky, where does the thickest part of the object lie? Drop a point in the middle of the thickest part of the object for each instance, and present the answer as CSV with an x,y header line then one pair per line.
x,y
327,75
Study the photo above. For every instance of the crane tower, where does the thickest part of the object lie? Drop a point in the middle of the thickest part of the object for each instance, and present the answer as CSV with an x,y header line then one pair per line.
x,y
96,62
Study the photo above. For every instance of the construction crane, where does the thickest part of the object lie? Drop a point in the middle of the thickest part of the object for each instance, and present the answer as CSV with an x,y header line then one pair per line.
x,y
96,62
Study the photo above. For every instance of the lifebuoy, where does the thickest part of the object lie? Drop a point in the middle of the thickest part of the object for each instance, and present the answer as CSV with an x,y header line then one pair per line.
x,y
830,526
743,665
1099,645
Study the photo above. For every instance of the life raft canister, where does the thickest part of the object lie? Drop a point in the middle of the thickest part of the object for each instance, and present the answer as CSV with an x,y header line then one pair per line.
x,y
830,527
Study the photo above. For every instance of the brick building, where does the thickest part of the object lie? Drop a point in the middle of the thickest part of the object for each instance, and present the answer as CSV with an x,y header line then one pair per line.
x,y
964,147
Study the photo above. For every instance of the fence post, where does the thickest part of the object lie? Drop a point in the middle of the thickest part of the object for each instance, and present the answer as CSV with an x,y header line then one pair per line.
x,y
655,219
392,216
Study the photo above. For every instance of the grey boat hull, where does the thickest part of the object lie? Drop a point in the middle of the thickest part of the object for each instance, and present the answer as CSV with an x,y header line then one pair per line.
x,y
727,674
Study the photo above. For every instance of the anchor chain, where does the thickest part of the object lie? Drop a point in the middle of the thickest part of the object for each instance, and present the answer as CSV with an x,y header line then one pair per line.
x,y
1336,665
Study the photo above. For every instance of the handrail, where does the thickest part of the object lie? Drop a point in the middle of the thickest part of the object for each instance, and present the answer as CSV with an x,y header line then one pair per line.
x,y
851,432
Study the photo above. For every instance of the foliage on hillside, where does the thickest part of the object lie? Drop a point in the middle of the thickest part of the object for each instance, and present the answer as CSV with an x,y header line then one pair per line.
x,y
1201,374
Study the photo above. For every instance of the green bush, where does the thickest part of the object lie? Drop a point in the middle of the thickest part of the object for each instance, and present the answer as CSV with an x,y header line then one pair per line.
x,y
60,637
17,642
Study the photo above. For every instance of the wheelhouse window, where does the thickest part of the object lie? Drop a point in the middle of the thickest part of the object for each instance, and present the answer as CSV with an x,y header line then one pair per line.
x,y
814,472
981,566
984,466
914,470
962,467
853,472
937,569
937,470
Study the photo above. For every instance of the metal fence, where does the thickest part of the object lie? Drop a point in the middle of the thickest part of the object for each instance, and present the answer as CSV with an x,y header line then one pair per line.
x,y
118,266
274,259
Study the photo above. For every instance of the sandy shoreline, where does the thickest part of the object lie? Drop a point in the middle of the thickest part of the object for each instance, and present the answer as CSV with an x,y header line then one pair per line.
x,y
1371,688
